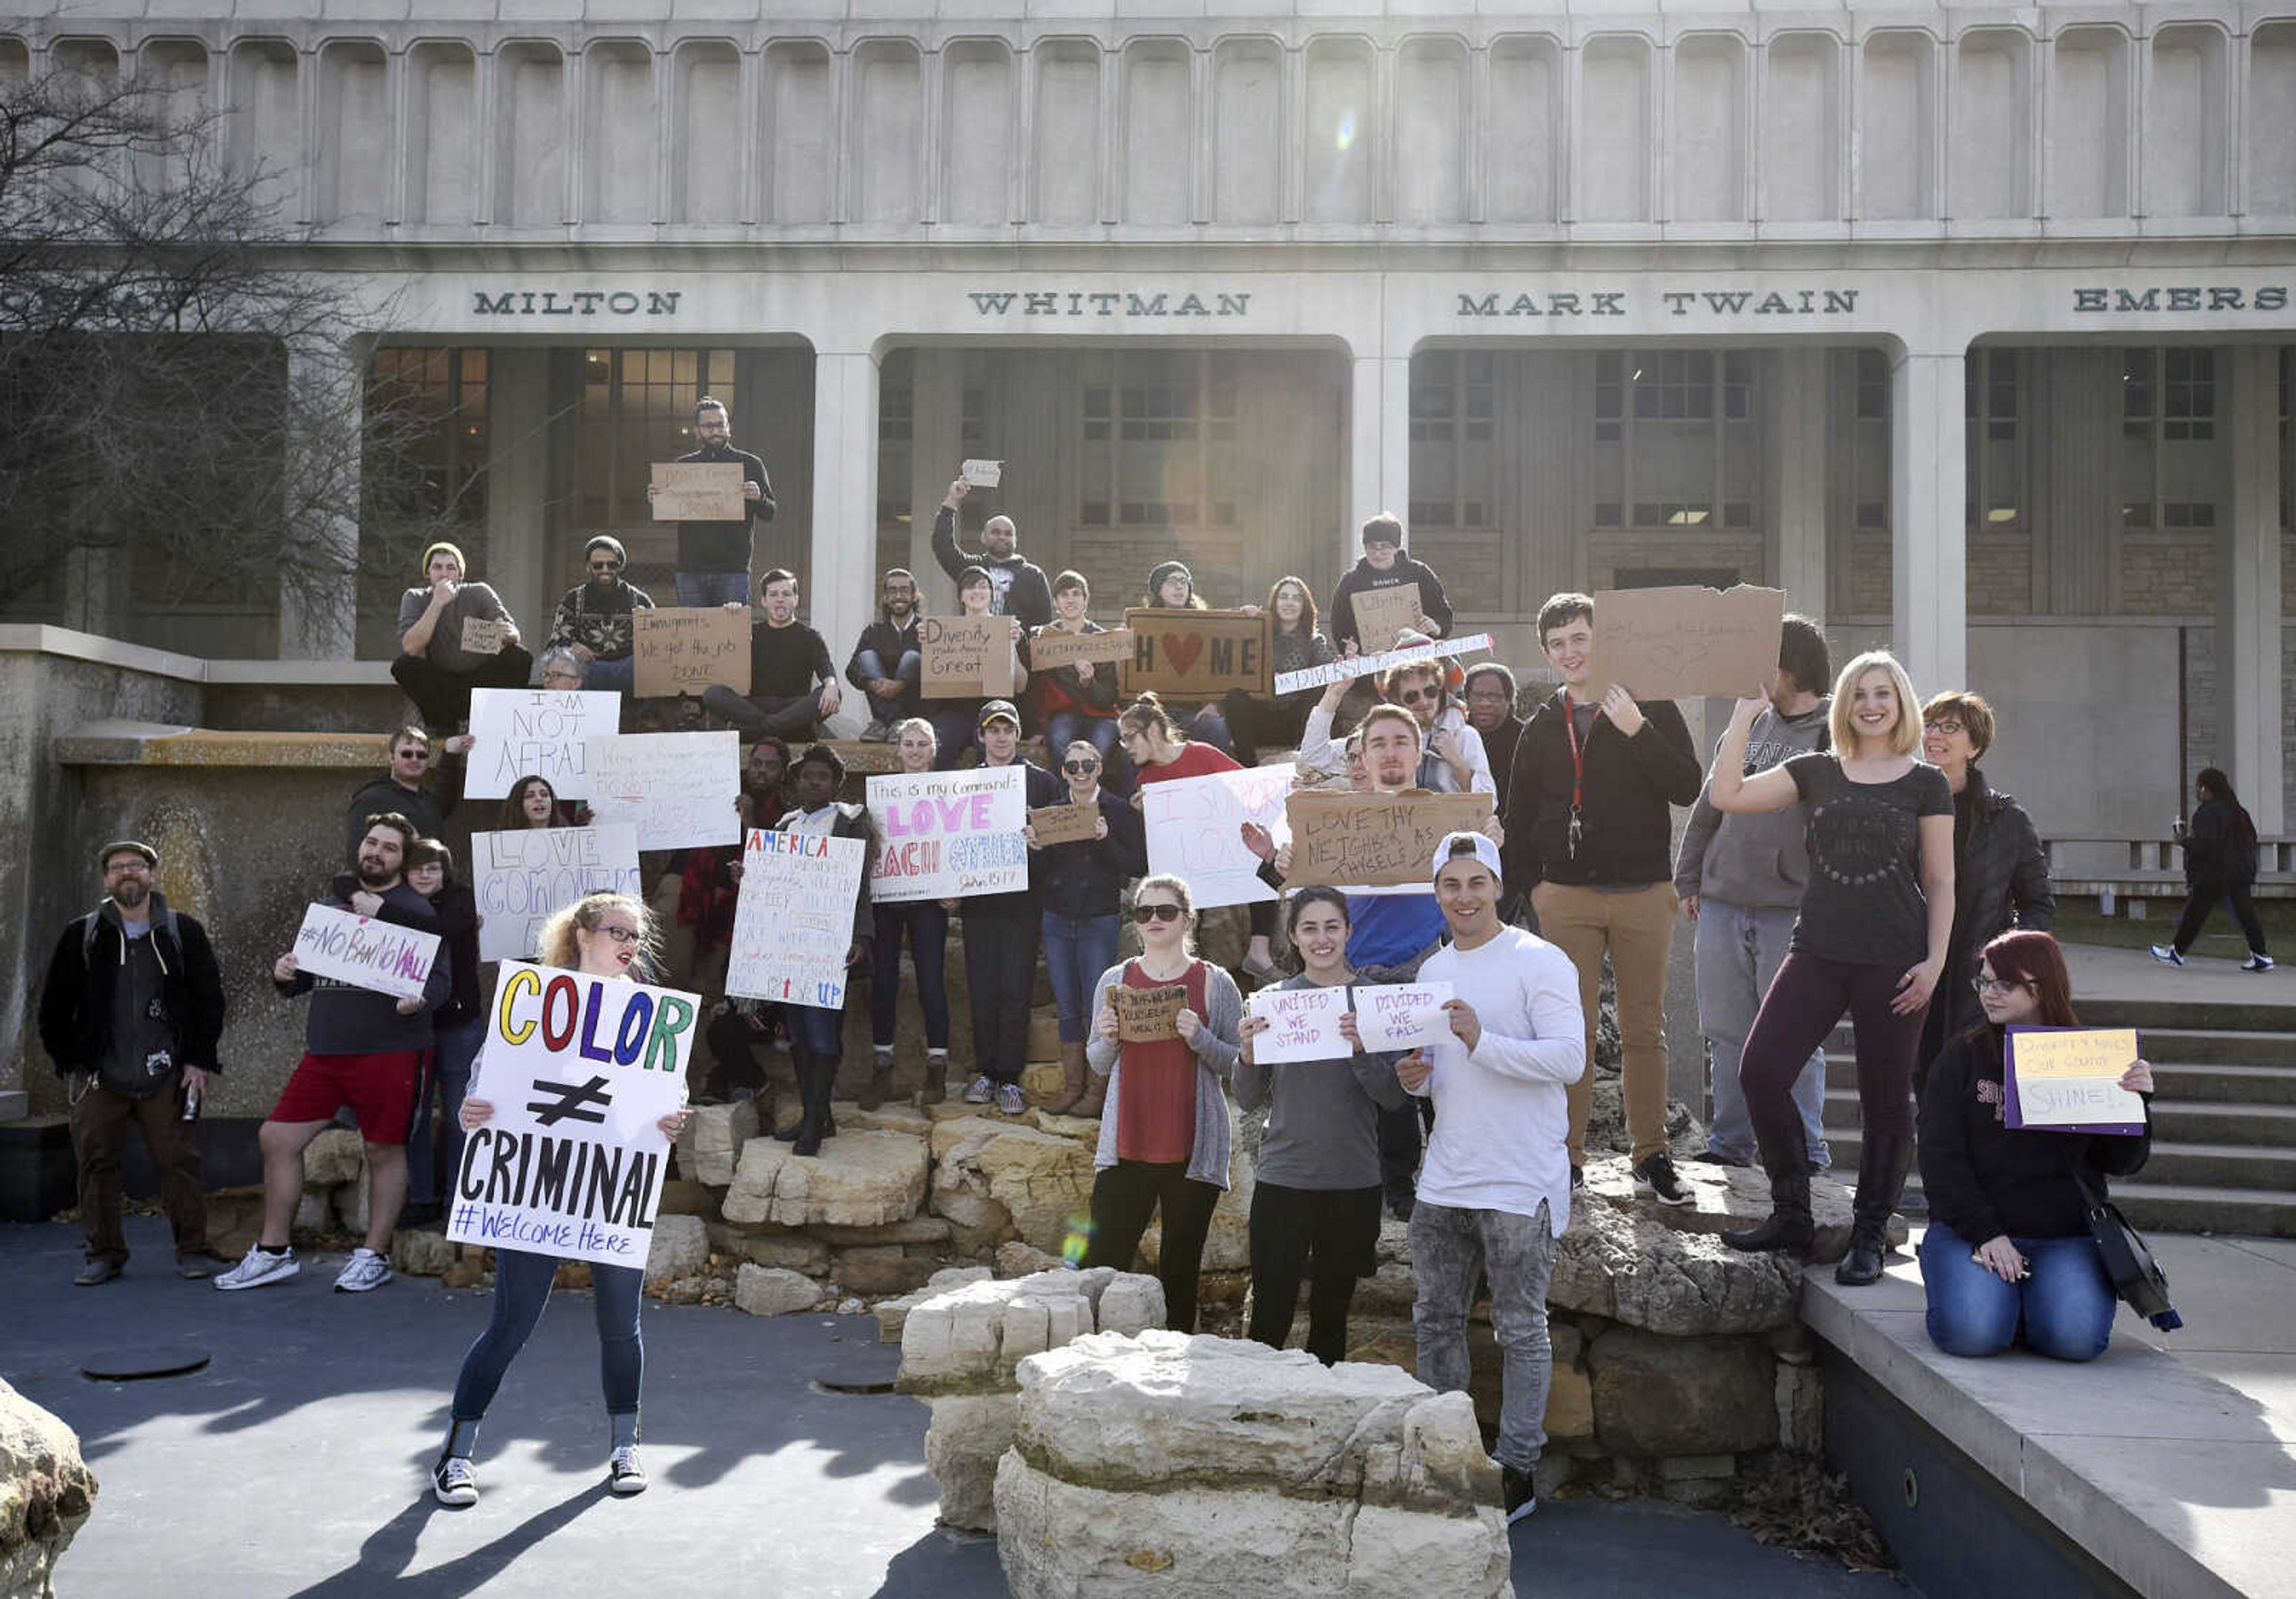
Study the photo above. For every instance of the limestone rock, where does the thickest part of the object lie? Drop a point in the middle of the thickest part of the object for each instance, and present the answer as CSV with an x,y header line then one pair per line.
x,y
314,1212
968,1434
712,1141
234,1218
770,1291
860,1179
337,1155
680,1249
1084,1129
1015,1258
1042,1082
1801,1409
791,1252
420,1253
969,1340
1656,1395
46,1495
880,1269
347,1203
913,1229
682,1197
1570,1404
892,1313
1621,1261
996,1174
892,1117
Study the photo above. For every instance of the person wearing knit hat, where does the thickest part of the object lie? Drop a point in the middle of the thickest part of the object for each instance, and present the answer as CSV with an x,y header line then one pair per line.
x,y
595,618
1172,586
434,668
1386,565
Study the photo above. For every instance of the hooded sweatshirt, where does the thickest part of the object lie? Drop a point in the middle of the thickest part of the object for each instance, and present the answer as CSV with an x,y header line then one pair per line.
x,y
1434,604
1756,863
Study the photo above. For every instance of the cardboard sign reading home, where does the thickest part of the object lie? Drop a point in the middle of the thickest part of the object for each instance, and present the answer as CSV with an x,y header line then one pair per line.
x,y
1147,1015
536,732
345,948
1373,840
524,878
698,491
966,657
1050,647
1196,655
945,835
683,649
793,921
579,1069
1666,643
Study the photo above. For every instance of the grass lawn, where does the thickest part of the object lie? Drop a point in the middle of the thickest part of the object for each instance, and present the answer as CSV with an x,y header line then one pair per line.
x,y
2079,922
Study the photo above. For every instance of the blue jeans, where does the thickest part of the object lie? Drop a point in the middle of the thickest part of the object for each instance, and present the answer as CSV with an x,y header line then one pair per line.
x,y
815,1029
1065,727
620,676
428,1158
522,1282
1738,949
1449,1249
1207,724
909,669
712,588
2065,1302
1077,951
928,930
958,729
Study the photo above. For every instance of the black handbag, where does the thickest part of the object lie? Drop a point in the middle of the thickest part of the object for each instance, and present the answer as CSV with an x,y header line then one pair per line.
x,y
2137,1278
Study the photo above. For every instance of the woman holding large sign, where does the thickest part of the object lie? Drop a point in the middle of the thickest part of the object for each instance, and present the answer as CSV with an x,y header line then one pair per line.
x,y
1165,1039
2008,1243
926,923
602,935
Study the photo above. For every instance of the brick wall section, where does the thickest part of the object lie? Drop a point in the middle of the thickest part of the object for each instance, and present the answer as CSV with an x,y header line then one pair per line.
x,y
2000,575
2169,575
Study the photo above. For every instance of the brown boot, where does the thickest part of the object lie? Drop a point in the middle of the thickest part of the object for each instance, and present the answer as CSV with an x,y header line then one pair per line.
x,y
1072,1077
1095,1091
880,1082
936,1084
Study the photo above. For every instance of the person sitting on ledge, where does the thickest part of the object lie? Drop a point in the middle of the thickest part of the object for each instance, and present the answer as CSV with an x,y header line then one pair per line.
x,y
594,618
2007,1256
793,683
435,665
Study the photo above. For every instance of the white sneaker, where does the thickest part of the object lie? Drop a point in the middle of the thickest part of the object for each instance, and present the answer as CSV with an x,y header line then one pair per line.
x,y
624,1474
364,1271
2166,954
258,1269
979,1091
1009,1099
2256,962
454,1483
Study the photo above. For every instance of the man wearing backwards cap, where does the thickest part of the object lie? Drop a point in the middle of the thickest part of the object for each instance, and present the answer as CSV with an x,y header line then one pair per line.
x,y
1495,1192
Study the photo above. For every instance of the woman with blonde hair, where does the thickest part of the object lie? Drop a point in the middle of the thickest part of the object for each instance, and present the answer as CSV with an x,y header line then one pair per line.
x,y
1871,940
600,935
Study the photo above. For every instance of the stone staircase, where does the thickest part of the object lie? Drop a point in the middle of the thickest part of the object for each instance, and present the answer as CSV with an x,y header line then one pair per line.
x,y
2223,1116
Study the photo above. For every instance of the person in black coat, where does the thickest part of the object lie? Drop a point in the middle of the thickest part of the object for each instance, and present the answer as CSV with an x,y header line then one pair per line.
x,y
1386,565
2219,863
1080,886
459,1028
2000,873
817,1034
2008,1254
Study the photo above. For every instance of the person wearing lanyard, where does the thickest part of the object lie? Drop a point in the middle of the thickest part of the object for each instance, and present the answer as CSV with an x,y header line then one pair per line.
x,y
1587,823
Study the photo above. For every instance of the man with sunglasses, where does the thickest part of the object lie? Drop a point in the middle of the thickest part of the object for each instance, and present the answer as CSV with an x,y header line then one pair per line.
x,y
713,557
399,789
594,618
1081,888
1452,761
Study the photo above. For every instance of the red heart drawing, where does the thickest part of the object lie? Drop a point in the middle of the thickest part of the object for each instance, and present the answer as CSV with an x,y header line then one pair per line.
x,y
1181,651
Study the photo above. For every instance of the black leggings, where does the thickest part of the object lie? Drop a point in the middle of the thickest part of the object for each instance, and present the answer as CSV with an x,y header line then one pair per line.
x,y
1326,1236
2204,899
1807,997
1123,1196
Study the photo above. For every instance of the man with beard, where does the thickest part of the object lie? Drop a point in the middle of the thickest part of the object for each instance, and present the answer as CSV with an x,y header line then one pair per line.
x,y
888,663
1017,587
594,618
713,557
132,1009
363,1049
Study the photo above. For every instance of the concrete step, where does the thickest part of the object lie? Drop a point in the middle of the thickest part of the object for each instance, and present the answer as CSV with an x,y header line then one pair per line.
x,y
2168,1207
2208,1082
2212,1046
2221,1166
2269,1125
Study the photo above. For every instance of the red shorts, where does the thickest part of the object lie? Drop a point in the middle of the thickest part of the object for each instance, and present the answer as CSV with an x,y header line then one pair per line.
x,y
380,1090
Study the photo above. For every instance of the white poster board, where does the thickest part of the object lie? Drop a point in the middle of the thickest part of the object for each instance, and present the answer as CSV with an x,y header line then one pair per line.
x,y
521,879
793,921
1194,830
1303,1024
1402,1016
677,788
947,835
579,1069
536,732
365,953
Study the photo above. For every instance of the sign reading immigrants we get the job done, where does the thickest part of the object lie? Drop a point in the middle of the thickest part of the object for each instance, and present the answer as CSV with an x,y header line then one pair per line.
x,y
579,1069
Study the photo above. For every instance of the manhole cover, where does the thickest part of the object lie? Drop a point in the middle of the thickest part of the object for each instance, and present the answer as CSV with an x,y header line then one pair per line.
x,y
862,1369
134,1365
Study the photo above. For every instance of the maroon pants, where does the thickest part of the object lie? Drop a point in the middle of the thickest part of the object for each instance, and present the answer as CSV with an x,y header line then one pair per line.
x,y
1807,997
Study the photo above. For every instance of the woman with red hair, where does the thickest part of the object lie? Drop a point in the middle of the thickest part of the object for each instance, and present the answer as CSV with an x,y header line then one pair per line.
x,y
2008,1252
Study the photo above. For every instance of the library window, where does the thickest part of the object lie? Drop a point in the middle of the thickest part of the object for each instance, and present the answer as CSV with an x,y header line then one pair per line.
x,y
1452,422
1158,440
637,409
1676,441
1994,470
2171,459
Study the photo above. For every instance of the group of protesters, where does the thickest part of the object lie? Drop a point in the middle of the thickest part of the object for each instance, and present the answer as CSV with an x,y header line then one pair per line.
x,y
1844,856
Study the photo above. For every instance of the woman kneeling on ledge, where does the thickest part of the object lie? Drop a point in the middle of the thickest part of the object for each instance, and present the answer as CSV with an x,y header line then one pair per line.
x,y
2008,1249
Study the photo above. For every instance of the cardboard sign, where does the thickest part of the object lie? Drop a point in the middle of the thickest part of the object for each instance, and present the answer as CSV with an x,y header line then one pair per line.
x,y
1381,613
347,947
2068,1080
966,657
1194,826
1065,823
1374,841
1668,643
1050,647
1303,1024
484,635
1365,665
579,1070
536,732
522,879
1196,655
793,921
676,789
1402,1016
945,835
683,650
1148,1015
982,474
698,491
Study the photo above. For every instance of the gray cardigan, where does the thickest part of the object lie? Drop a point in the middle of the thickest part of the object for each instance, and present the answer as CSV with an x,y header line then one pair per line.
x,y
1216,1054
1323,1123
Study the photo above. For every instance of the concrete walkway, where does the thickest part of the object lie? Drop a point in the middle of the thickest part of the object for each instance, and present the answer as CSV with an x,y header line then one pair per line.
x,y
294,1464
2101,972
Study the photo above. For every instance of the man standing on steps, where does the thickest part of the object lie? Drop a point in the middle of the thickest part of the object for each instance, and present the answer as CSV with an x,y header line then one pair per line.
x,y
363,1049
131,1012
713,557
1017,587
1001,935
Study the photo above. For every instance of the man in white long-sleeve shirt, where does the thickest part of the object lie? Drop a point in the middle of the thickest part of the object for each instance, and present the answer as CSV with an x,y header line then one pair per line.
x,y
1495,1192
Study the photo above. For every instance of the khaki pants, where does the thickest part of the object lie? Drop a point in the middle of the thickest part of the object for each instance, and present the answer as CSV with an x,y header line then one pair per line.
x,y
1637,929
100,1120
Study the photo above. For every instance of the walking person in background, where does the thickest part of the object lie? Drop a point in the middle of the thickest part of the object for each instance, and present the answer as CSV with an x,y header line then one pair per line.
x,y
2219,864
602,935
1871,940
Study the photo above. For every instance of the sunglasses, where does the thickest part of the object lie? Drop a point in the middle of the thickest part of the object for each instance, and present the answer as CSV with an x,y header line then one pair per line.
x,y
1429,695
1079,766
605,566
1145,913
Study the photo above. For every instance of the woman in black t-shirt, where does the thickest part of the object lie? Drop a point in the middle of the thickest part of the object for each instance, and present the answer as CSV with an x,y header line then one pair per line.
x,y
1876,924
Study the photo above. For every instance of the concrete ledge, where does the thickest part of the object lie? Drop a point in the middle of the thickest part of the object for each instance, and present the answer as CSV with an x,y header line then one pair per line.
x,y
39,638
153,744
2159,1473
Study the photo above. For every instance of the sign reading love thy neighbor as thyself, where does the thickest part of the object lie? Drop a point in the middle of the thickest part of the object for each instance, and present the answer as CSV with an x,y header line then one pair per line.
x,y
947,835
579,1070
536,733
793,921
1370,840
1196,655
1668,644
365,953
524,878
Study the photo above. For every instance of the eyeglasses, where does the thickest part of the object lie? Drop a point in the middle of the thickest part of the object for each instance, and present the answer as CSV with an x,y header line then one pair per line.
x,y
620,935
1994,984
1079,766
605,566
1145,913
1427,695
1947,725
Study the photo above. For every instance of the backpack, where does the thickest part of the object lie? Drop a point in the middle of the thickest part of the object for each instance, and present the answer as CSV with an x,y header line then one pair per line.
x,y
89,922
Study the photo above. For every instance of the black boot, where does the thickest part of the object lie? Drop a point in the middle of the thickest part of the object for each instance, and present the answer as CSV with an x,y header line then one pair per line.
x,y
826,1065
798,1059
1882,1164
815,1079
1786,1158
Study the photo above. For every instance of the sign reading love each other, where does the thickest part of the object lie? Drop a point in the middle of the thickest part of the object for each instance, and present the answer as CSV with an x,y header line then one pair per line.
x,y
1196,655
1671,643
